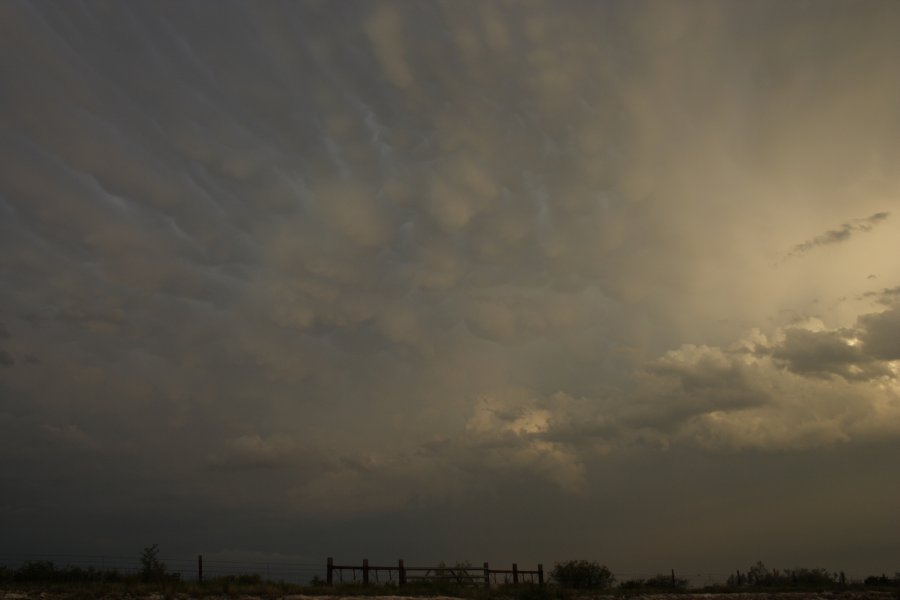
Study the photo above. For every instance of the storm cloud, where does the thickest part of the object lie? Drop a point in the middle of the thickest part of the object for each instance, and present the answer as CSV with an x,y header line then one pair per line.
x,y
363,267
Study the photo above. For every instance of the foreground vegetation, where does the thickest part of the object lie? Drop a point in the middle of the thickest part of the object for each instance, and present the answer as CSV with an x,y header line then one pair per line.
x,y
568,581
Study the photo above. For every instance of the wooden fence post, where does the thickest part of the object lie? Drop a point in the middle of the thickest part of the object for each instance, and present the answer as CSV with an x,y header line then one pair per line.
x,y
540,574
515,573
673,577
329,578
487,576
401,573
200,568
365,571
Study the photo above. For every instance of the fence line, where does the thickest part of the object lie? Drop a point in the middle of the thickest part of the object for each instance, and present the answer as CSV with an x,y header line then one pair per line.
x,y
204,568
303,571
463,575
189,569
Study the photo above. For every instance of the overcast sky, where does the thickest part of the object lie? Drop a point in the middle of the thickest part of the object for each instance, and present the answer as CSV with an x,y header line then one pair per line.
x,y
507,281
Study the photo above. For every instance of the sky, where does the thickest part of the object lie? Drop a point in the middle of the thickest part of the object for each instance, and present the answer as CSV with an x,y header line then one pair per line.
x,y
506,281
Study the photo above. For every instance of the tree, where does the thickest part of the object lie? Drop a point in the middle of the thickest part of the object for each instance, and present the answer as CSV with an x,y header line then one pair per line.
x,y
582,575
152,568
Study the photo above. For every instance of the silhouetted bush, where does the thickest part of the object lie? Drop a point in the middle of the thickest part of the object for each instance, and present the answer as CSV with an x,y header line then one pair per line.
x,y
883,581
36,570
759,576
44,571
656,583
582,575
666,582
153,569
810,577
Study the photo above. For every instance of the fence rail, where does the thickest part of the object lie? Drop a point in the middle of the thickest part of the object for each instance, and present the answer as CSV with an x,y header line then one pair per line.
x,y
464,575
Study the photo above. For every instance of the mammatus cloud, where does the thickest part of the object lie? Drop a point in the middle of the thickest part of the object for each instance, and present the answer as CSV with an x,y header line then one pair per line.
x,y
841,234
300,262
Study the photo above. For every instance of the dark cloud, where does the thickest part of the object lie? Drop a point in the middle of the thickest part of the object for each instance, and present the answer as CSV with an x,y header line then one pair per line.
x,y
885,295
841,234
826,353
6,359
699,380
881,337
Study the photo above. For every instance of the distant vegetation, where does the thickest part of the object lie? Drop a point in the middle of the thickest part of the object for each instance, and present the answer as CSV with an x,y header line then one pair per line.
x,y
659,583
153,569
582,575
761,577
44,571
566,580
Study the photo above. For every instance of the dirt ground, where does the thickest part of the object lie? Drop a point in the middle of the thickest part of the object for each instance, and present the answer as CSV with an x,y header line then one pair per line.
x,y
848,595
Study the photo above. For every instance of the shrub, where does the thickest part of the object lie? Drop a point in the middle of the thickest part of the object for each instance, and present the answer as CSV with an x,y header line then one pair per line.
x,y
36,570
657,582
758,575
633,584
582,575
153,569
883,581
666,582
809,577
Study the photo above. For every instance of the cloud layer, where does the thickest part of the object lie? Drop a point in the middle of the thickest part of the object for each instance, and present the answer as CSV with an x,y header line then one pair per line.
x,y
326,264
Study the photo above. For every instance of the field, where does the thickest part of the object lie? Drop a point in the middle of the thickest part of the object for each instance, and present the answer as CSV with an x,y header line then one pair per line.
x,y
82,593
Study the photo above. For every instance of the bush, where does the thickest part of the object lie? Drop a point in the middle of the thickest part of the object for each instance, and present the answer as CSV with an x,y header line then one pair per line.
x,y
582,575
153,569
537,592
759,576
809,577
36,570
658,582
666,582
883,581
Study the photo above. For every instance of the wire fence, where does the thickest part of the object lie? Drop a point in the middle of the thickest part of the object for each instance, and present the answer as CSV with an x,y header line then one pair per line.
x,y
301,571
188,569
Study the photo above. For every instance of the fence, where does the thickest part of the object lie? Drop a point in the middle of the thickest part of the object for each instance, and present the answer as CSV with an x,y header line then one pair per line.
x,y
199,568
299,570
462,575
